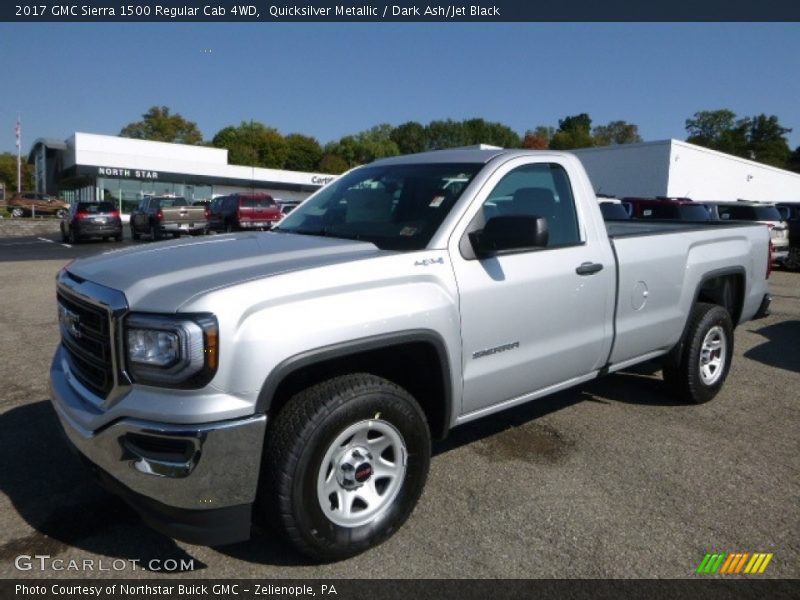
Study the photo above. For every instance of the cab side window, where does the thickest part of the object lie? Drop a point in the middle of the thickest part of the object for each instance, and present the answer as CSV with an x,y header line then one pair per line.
x,y
541,190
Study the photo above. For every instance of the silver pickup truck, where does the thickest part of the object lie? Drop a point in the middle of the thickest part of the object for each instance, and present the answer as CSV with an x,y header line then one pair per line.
x,y
298,376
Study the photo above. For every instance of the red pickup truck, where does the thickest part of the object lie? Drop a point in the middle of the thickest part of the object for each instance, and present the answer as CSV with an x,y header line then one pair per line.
x,y
238,212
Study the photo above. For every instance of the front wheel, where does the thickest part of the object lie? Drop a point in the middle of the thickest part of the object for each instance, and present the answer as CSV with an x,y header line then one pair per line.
x,y
345,463
706,355
17,212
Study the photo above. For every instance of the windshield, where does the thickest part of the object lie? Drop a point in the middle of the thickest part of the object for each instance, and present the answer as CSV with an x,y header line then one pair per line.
x,y
397,207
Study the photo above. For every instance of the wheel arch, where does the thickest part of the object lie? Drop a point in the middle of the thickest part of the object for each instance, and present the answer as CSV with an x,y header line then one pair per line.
x,y
723,287
415,360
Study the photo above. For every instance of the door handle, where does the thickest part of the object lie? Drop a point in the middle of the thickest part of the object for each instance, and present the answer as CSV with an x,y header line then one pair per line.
x,y
588,268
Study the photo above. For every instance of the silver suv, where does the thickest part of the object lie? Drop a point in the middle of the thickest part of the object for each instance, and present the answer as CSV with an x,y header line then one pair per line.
x,y
761,213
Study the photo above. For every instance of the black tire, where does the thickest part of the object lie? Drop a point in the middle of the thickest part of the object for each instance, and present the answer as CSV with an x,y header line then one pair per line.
x,y
64,238
306,429
118,237
134,234
687,379
792,262
228,227
155,233
72,238
60,213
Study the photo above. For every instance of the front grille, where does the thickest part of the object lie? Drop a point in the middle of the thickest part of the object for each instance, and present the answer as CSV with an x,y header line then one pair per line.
x,y
86,336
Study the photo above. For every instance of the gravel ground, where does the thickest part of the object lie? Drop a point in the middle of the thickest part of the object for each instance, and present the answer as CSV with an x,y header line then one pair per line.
x,y
609,480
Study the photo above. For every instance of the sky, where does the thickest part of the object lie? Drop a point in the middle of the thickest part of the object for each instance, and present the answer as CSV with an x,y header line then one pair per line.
x,y
332,79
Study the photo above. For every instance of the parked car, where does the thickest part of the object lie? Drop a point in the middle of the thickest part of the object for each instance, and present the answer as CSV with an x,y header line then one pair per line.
x,y
287,206
675,209
300,375
28,204
157,216
238,212
759,212
790,212
91,219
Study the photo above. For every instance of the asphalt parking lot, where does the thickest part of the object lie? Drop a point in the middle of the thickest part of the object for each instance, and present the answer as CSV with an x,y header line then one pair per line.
x,y
613,479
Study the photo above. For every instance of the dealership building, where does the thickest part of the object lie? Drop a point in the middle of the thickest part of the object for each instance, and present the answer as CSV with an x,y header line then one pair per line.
x,y
88,167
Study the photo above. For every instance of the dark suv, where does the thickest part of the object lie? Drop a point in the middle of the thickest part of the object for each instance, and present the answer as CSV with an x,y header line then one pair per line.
x,y
675,209
239,212
91,219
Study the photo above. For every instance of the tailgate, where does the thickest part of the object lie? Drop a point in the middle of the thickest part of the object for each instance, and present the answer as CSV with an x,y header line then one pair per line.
x,y
184,215
259,211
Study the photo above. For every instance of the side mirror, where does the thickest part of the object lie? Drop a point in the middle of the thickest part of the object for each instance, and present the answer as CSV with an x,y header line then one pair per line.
x,y
509,233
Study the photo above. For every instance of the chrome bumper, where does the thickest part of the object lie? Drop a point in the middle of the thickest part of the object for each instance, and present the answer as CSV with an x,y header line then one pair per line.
x,y
204,466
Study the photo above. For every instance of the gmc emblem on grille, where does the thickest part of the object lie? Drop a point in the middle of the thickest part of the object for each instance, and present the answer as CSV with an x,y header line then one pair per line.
x,y
69,320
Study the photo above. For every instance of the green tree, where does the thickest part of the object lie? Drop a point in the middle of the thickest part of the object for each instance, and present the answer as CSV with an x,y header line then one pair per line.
x,y
573,132
159,125
478,131
253,144
793,164
333,164
410,137
616,132
708,127
365,146
445,134
761,138
767,141
8,173
304,153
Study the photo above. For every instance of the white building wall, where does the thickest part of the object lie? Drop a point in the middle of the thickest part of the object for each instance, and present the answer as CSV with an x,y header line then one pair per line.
x,y
703,174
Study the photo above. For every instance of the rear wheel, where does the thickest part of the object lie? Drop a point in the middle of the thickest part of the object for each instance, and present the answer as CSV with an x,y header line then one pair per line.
x,y
344,465
705,357
73,239
118,237
228,227
155,232
17,212
134,234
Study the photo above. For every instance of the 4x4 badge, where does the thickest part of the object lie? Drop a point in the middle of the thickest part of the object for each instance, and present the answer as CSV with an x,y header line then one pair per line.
x,y
425,262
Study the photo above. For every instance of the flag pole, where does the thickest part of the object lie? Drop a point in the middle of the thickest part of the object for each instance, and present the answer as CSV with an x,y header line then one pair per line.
x,y
19,156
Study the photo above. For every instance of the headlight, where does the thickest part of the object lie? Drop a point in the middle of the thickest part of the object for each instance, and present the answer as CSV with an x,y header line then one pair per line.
x,y
172,351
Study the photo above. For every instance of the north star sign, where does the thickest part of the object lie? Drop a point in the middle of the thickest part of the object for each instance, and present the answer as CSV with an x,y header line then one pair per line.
x,y
127,173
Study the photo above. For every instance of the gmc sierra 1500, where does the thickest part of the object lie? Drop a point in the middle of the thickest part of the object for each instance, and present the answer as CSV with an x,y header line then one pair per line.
x,y
300,375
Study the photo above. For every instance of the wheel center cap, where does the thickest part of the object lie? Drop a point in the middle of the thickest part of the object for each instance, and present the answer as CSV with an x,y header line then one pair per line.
x,y
354,467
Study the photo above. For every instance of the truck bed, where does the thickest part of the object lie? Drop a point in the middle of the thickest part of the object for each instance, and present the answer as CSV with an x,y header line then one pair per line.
x,y
619,229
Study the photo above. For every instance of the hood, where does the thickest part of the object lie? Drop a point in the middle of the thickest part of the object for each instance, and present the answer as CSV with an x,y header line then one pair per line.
x,y
161,277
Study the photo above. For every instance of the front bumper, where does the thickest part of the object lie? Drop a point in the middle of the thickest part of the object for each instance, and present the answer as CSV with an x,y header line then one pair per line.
x,y
192,482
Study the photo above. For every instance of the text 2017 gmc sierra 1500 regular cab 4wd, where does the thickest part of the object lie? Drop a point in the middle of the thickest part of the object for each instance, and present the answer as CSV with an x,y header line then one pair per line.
x,y
299,375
